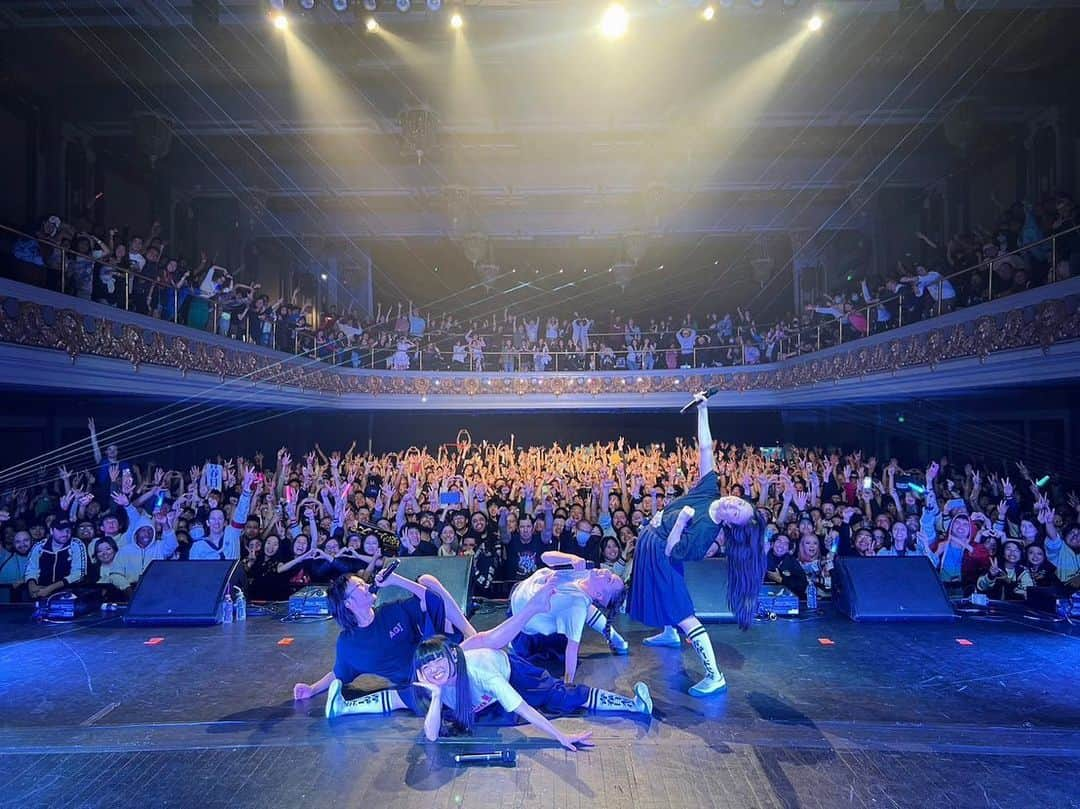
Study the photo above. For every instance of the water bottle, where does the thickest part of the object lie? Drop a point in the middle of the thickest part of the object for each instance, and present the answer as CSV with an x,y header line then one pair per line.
x,y
227,609
241,606
811,595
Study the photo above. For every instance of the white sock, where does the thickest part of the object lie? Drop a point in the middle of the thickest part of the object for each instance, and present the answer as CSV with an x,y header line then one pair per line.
x,y
602,701
699,639
598,621
380,702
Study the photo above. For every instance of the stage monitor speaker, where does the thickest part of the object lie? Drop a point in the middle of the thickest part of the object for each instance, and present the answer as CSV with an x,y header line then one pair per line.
x,y
455,573
890,588
707,582
184,593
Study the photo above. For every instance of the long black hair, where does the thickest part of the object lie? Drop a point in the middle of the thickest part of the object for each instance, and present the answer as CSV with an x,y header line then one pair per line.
x,y
438,647
746,567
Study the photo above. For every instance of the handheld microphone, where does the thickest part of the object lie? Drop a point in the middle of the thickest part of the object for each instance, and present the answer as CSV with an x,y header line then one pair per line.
x,y
382,576
700,397
507,758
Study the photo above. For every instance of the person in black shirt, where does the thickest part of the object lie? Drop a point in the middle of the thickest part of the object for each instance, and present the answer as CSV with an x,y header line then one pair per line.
x,y
381,640
582,542
523,546
783,568
413,545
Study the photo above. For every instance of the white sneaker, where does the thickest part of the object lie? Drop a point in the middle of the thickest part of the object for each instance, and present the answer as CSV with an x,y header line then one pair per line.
x,y
618,644
334,701
709,685
643,698
669,637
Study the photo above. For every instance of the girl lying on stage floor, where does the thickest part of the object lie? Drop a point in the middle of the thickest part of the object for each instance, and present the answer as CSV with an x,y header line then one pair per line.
x,y
581,597
469,677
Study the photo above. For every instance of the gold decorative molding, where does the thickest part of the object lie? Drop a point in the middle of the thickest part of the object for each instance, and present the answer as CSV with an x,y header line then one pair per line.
x,y
35,325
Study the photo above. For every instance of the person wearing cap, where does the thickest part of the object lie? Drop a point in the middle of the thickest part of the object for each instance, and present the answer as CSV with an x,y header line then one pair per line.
x,y
55,563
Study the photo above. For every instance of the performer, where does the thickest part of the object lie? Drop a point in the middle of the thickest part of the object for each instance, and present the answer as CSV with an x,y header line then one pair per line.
x,y
580,595
683,532
469,678
382,640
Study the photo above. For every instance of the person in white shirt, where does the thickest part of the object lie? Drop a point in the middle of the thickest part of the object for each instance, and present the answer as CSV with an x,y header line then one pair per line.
x,y
136,555
580,594
469,679
223,541
941,290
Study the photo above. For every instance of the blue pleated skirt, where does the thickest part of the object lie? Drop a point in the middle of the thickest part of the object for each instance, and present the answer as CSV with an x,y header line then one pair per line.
x,y
658,594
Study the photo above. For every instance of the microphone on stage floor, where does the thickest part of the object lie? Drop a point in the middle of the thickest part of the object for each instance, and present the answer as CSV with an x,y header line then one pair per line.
x,y
507,758
700,397
382,576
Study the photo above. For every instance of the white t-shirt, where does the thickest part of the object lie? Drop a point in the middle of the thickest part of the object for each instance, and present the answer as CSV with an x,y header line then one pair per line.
x,y
929,283
489,680
569,605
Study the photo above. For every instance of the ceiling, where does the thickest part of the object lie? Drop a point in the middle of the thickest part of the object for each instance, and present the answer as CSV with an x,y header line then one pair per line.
x,y
714,140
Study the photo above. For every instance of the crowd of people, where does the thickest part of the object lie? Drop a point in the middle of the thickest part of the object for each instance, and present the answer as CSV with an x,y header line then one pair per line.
x,y
141,274
295,520
967,269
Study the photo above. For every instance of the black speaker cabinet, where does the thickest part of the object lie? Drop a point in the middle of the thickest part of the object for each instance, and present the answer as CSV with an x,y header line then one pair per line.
x,y
184,593
890,588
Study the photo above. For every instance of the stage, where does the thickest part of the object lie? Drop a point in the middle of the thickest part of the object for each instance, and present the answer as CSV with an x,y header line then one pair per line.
x,y
94,714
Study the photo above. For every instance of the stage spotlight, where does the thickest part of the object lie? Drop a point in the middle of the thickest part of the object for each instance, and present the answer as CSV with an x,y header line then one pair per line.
x,y
307,5
340,5
708,13
372,25
403,6
456,20
281,22
615,21
434,5
815,23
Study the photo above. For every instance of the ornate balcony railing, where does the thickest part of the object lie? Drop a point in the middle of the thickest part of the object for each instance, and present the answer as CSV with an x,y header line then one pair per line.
x,y
56,267
50,340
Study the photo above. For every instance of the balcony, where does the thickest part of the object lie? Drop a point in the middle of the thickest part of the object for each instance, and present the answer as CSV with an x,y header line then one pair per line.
x,y
53,341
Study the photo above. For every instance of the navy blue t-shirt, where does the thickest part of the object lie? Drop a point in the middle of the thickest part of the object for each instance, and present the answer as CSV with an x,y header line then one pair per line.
x,y
385,647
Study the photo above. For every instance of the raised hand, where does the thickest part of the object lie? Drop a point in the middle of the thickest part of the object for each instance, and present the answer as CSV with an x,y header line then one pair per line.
x,y
800,500
1007,488
1073,500
121,499
932,472
1023,470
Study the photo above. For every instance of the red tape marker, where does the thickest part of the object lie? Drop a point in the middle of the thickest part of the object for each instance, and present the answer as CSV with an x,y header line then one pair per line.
x,y
153,641
826,641
285,642
964,642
